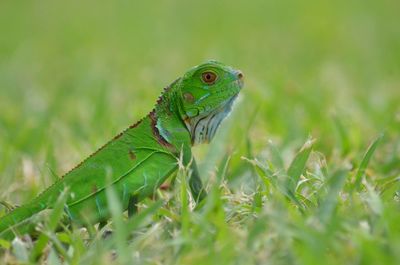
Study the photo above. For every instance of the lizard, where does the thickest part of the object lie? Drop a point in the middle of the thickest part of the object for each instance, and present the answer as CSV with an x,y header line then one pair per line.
x,y
139,159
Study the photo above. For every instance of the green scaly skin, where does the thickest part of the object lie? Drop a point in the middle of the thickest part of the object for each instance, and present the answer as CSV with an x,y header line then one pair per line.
x,y
137,161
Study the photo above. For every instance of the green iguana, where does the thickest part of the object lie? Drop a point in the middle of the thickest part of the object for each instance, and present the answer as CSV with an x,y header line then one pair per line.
x,y
138,160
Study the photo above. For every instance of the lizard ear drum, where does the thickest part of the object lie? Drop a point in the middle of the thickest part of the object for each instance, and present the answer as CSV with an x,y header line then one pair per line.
x,y
208,77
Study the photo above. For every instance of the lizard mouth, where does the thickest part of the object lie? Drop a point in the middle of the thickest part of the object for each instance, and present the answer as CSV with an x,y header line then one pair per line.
x,y
203,128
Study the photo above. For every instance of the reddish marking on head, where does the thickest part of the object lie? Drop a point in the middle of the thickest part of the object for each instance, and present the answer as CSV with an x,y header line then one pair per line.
x,y
155,131
94,188
132,155
188,97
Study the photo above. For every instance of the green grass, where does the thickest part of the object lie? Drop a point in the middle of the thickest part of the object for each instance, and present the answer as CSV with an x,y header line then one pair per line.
x,y
299,173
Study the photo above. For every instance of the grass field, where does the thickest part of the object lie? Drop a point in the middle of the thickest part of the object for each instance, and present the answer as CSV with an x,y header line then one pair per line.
x,y
306,169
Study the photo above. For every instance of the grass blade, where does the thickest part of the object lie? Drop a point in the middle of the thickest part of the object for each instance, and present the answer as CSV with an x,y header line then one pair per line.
x,y
54,219
342,135
269,178
298,165
276,157
185,211
121,234
365,161
328,205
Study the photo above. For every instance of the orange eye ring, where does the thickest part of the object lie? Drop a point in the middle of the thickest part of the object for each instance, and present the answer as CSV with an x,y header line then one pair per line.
x,y
209,77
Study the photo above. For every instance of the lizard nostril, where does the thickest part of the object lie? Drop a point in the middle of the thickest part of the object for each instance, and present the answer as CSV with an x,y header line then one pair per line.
x,y
240,75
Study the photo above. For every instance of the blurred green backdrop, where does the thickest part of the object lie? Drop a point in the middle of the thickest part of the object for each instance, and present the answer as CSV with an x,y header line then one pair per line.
x,y
73,74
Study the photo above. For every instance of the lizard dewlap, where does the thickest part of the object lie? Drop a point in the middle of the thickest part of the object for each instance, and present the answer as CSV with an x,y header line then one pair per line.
x,y
138,160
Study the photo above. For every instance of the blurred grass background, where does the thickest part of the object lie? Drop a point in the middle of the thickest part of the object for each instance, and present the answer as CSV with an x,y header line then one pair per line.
x,y
74,74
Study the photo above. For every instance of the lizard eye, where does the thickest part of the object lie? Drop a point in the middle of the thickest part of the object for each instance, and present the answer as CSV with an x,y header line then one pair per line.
x,y
208,77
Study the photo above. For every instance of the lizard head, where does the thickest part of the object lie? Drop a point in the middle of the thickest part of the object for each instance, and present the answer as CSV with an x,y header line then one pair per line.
x,y
207,92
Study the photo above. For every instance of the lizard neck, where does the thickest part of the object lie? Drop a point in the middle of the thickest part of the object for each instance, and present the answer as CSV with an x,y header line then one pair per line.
x,y
167,119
